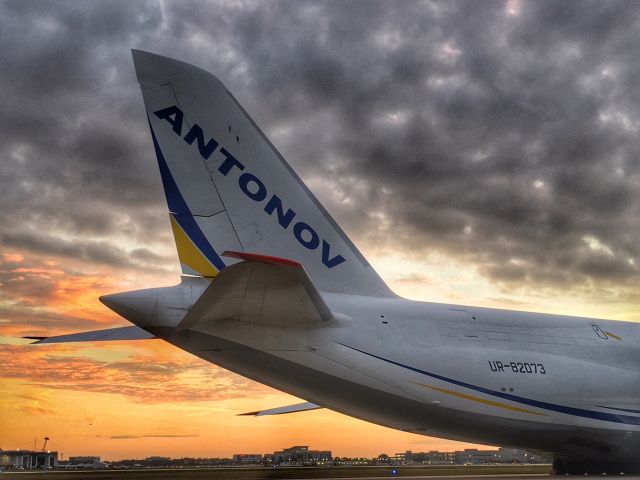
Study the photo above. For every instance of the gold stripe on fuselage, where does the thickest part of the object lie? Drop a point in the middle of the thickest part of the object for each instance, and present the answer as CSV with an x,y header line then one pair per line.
x,y
612,335
480,400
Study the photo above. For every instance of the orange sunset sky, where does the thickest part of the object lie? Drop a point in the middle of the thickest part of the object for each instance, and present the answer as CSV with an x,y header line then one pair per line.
x,y
135,399
475,152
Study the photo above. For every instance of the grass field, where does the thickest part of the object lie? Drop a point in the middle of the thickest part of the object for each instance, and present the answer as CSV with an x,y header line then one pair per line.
x,y
280,473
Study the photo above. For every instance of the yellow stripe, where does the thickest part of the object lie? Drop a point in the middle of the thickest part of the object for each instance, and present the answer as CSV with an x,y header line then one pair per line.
x,y
480,400
609,334
189,254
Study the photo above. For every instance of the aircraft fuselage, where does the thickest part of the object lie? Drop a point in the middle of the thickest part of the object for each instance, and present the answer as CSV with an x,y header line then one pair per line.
x,y
552,383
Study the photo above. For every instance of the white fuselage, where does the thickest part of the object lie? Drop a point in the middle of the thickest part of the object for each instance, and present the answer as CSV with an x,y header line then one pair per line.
x,y
552,383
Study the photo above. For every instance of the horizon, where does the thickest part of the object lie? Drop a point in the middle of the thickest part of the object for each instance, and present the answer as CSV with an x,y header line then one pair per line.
x,y
263,454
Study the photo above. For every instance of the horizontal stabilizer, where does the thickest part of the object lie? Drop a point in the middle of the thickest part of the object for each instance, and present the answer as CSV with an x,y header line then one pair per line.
x,y
260,289
298,407
109,334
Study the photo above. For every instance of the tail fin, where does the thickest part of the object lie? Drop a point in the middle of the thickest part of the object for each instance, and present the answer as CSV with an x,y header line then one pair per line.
x,y
229,189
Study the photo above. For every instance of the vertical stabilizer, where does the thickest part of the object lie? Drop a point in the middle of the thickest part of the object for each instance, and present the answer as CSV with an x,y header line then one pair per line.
x,y
228,188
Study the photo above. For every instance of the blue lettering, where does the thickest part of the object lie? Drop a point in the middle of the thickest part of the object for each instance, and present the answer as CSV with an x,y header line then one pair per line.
x,y
196,134
253,187
259,194
229,162
284,219
313,242
167,113
330,262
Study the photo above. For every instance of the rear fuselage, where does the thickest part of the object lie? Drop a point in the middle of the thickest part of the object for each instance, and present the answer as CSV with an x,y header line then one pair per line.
x,y
559,384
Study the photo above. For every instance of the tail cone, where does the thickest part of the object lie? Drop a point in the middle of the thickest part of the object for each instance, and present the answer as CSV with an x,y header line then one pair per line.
x,y
138,306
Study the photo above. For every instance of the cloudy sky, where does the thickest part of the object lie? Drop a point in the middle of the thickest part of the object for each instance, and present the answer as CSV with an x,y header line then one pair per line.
x,y
476,152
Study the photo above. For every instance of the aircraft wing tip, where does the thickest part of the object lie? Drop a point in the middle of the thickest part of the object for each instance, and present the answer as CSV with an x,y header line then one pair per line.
x,y
298,407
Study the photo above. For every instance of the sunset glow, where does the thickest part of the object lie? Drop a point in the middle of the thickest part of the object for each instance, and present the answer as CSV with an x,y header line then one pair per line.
x,y
135,399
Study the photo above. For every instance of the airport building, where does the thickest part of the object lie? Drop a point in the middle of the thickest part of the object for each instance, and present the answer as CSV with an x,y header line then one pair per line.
x,y
470,456
514,455
435,457
299,455
82,462
248,458
28,459
473,456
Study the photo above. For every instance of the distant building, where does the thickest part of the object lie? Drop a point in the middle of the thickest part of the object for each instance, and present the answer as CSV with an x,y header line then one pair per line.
x,y
84,459
158,459
473,456
514,455
248,458
301,455
350,462
435,457
401,458
87,461
28,459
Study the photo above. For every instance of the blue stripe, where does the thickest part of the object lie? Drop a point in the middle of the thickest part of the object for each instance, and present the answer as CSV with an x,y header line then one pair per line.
x,y
629,410
578,412
180,210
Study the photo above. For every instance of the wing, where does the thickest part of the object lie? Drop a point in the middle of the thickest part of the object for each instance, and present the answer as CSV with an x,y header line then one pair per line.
x,y
298,407
109,334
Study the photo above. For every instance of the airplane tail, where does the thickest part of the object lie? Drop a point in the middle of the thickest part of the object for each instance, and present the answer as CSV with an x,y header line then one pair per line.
x,y
228,188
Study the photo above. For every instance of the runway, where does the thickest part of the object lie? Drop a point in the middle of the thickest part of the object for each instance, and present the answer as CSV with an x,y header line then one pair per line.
x,y
208,474
268,474
415,472
271,474
371,473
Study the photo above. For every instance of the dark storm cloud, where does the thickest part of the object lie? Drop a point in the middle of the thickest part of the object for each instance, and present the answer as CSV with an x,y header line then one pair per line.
x,y
91,251
70,141
501,133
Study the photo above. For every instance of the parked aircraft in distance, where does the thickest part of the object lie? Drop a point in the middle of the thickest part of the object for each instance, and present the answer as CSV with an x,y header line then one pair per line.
x,y
274,290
